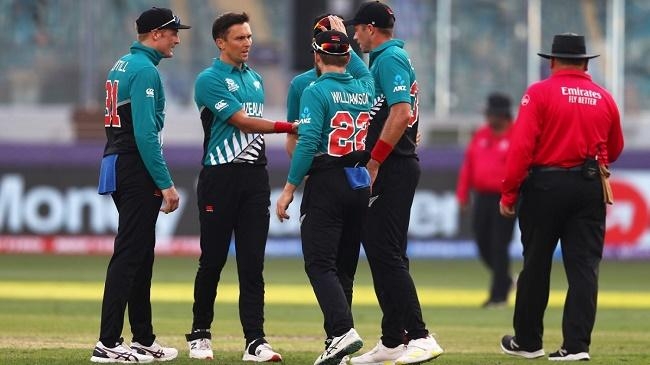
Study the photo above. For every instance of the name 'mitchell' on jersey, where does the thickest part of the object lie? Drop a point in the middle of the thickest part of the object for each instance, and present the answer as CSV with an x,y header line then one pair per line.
x,y
220,91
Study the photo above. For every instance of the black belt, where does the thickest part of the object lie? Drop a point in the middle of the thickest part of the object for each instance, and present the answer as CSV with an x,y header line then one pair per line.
x,y
555,168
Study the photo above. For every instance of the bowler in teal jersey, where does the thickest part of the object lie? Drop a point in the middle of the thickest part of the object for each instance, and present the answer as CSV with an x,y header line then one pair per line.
x,y
233,188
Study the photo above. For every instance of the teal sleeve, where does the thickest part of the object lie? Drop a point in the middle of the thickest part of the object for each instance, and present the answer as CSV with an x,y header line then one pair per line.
x,y
214,95
395,80
147,126
293,102
309,135
358,69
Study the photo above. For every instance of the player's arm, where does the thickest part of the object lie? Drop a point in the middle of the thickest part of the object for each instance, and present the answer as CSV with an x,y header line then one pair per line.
x,y
145,128
212,93
399,101
247,124
309,133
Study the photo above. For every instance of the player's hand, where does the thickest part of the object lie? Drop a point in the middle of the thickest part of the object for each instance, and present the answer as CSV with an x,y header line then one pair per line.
x,y
506,211
286,197
170,200
373,169
418,139
336,23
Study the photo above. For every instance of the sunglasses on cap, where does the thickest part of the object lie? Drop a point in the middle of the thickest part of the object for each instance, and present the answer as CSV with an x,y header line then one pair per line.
x,y
176,20
335,49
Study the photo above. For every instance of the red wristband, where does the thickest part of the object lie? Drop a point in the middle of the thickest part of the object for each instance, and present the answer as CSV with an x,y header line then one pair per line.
x,y
282,127
381,151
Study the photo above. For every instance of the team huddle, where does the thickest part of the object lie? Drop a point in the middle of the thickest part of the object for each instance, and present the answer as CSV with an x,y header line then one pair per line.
x,y
351,135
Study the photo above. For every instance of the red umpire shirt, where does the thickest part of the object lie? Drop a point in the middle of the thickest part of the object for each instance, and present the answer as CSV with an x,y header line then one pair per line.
x,y
485,163
562,120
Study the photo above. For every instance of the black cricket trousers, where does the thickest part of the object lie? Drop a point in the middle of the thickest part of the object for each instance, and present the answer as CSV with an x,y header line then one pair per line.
x,y
493,233
233,198
559,205
128,277
332,216
385,243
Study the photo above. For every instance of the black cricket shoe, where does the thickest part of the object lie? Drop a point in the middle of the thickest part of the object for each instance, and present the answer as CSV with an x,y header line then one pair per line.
x,y
564,355
510,347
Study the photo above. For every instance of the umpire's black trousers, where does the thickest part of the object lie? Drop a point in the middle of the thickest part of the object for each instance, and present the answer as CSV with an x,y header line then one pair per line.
x,y
493,234
332,215
385,241
559,205
233,198
128,277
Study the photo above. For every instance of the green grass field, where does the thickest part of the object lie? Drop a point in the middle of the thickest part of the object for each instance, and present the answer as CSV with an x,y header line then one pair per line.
x,y
50,306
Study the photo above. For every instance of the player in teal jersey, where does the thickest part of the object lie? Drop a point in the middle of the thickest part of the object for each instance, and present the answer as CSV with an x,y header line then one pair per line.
x,y
134,172
332,127
348,257
392,139
233,188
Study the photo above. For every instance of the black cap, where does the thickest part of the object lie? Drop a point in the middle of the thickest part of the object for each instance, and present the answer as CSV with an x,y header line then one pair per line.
x,y
331,42
158,18
568,45
498,104
375,13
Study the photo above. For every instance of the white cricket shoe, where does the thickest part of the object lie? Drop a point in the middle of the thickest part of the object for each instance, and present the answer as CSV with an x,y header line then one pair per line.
x,y
379,355
420,350
120,353
346,344
158,352
260,351
201,348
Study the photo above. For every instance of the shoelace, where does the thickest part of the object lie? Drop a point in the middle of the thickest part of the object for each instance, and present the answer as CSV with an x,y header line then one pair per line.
x,y
562,352
203,344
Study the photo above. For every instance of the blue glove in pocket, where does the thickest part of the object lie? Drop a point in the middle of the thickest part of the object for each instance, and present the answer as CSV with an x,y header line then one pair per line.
x,y
358,177
107,176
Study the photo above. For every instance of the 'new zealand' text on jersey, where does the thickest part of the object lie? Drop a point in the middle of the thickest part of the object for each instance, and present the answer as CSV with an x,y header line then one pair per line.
x,y
395,82
221,91
135,111
334,115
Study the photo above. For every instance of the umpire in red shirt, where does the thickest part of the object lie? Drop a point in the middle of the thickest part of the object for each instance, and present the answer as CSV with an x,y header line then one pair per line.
x,y
567,132
482,172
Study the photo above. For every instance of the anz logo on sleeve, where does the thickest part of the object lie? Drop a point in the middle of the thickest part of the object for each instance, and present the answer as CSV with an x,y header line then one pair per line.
x,y
400,84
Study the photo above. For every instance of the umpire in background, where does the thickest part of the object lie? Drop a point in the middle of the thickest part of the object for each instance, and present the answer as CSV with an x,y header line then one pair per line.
x,y
567,132
134,172
482,172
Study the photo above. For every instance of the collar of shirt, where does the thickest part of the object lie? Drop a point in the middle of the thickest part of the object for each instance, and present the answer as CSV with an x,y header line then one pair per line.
x,y
151,53
382,47
226,67
578,73
336,76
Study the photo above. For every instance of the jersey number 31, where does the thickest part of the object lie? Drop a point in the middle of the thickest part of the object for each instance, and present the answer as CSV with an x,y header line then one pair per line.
x,y
111,118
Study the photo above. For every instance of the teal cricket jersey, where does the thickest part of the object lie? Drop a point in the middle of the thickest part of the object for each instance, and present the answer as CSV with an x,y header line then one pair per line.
x,y
135,111
395,82
296,87
219,92
333,118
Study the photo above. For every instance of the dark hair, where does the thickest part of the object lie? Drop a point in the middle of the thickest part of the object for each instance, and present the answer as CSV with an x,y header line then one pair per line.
x,y
224,22
332,60
572,61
